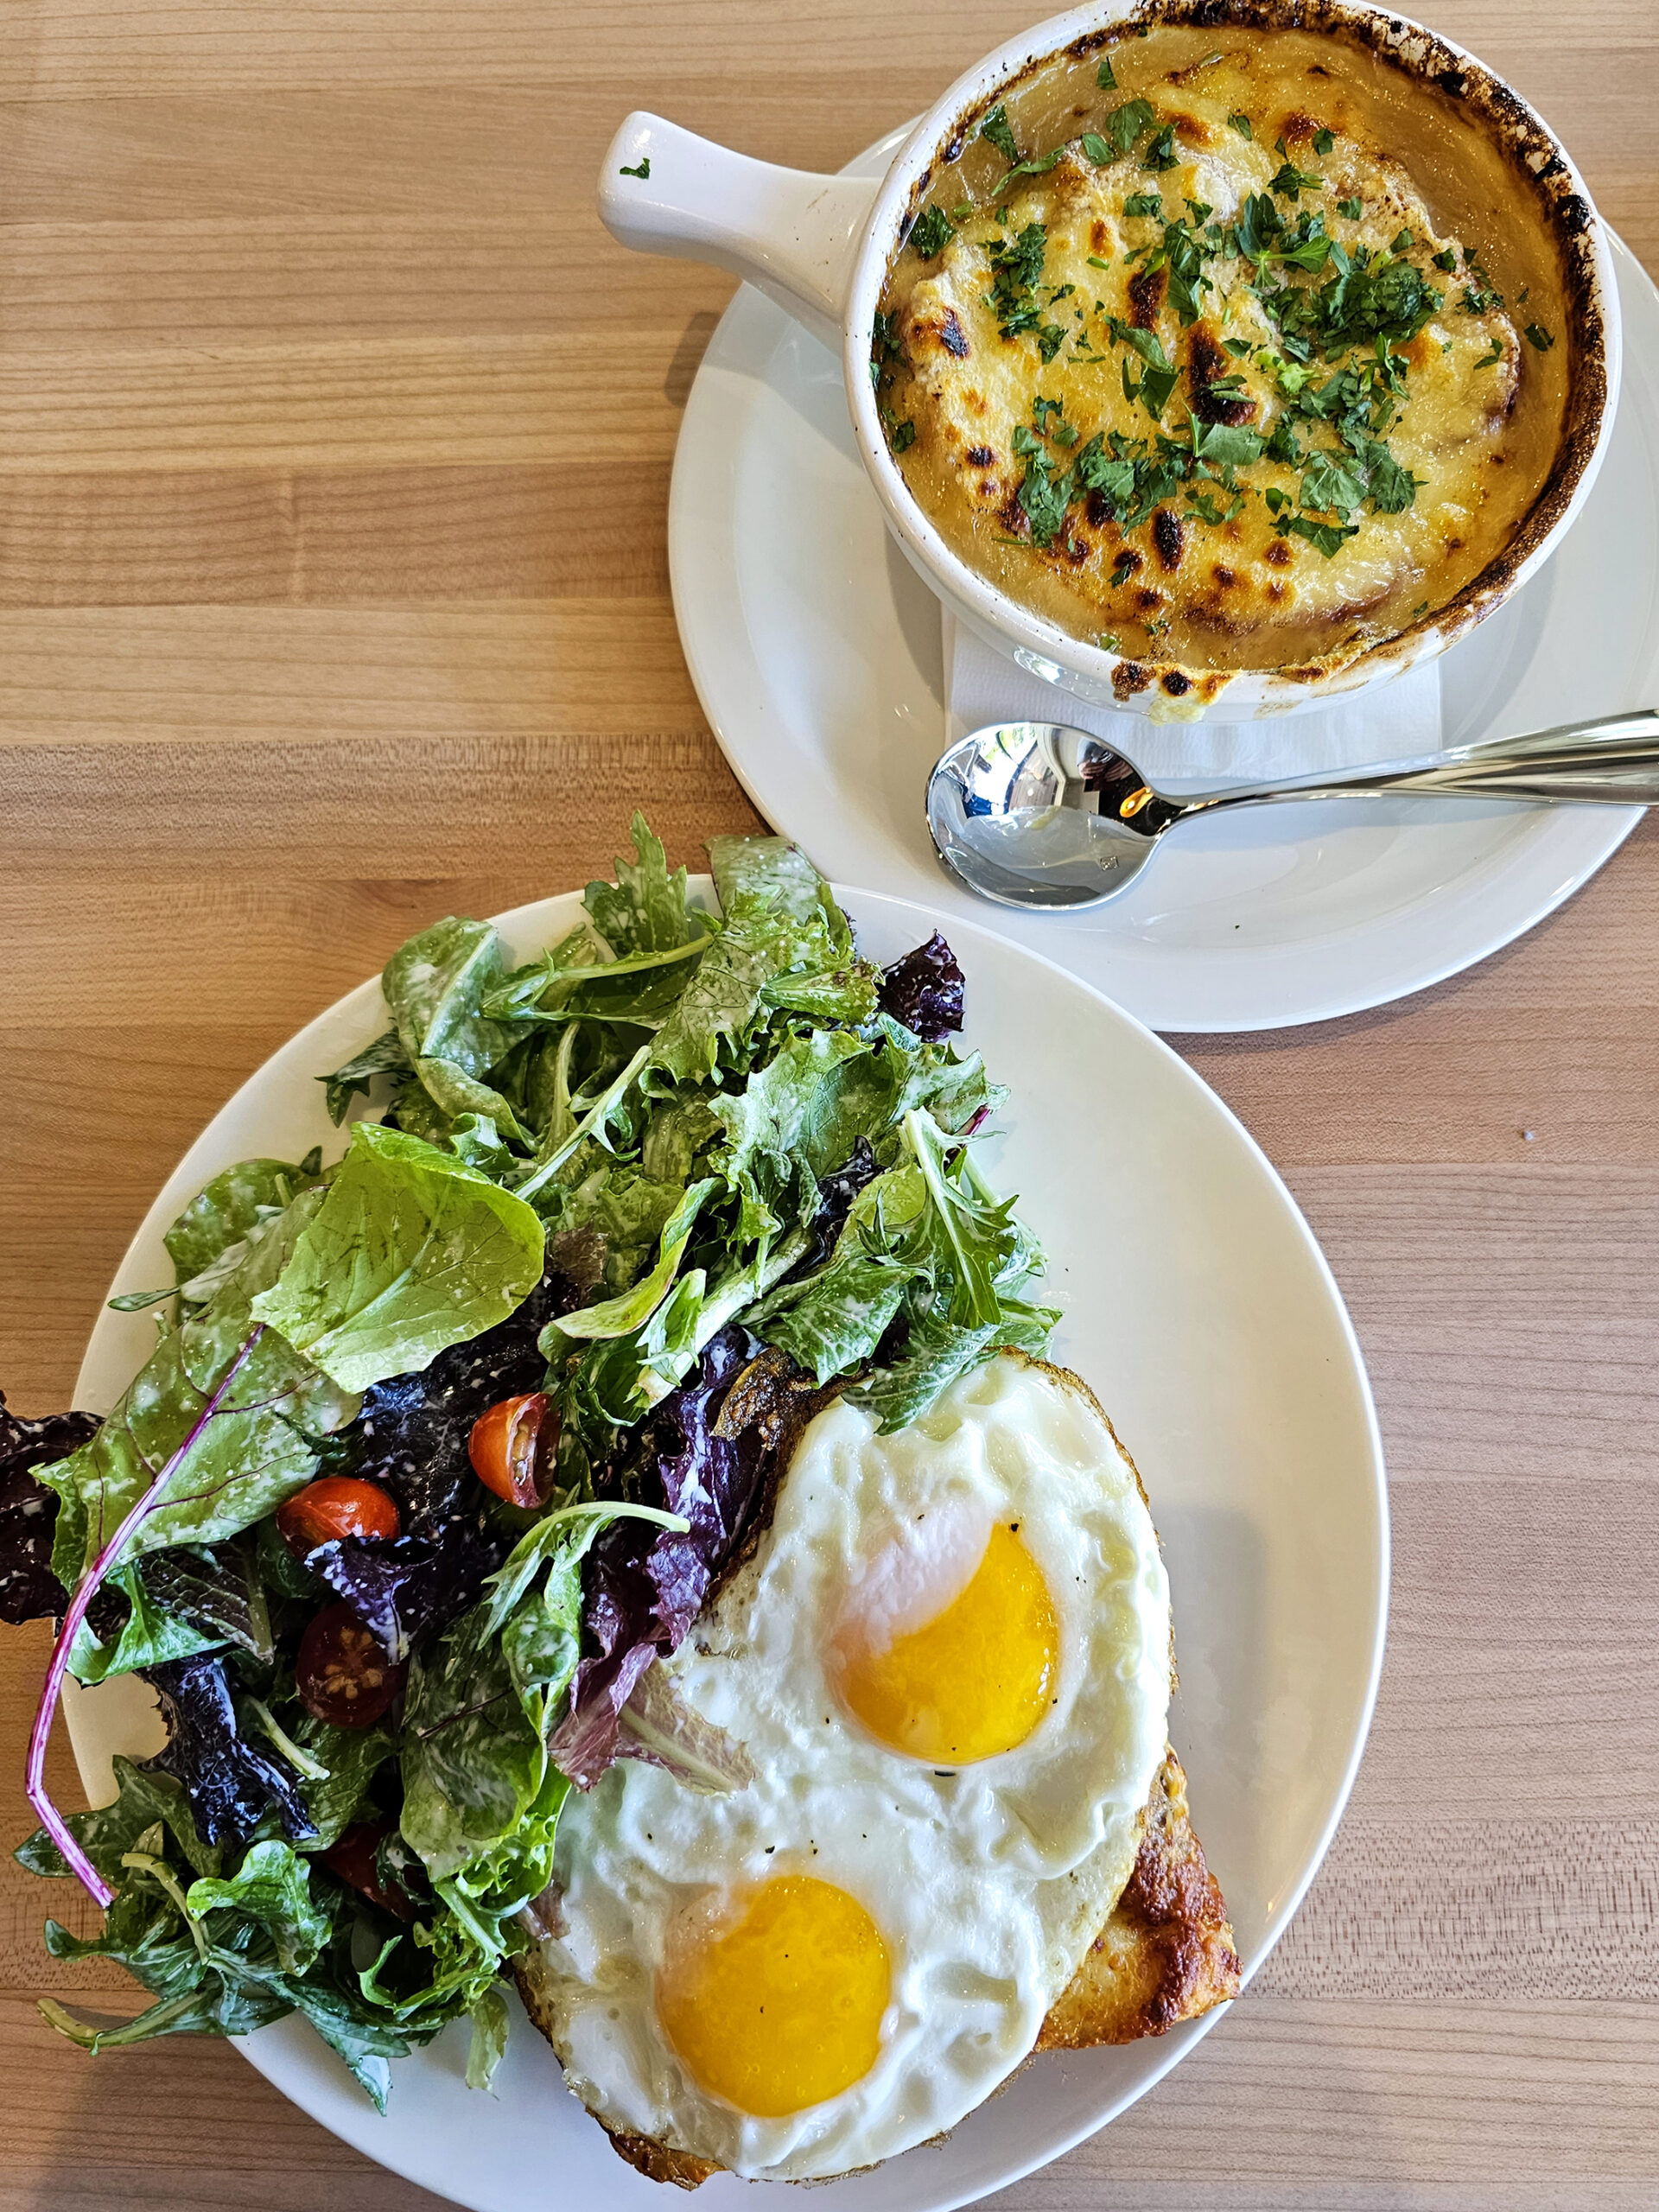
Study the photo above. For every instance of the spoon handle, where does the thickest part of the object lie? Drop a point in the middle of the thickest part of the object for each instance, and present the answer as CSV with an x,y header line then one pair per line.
x,y
1611,762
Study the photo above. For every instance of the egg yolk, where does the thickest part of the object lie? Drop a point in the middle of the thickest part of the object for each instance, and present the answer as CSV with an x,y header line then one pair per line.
x,y
975,1679
781,2006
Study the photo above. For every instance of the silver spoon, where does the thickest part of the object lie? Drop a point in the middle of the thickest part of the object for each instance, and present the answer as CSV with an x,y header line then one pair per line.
x,y
1034,814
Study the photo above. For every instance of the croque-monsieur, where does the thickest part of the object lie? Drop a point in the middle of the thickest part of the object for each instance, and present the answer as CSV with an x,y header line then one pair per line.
x,y
963,1836
1218,348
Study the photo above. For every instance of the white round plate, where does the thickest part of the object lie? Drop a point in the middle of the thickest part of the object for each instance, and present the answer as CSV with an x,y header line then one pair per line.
x,y
816,653
1202,1311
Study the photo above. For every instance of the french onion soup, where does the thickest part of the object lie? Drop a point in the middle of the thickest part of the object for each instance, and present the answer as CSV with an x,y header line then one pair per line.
x,y
1227,349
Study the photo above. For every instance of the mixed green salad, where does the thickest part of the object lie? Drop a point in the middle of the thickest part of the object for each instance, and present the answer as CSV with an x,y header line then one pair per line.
x,y
442,1444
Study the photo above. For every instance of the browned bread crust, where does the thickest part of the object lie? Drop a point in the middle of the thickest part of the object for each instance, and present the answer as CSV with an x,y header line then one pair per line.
x,y
1165,1954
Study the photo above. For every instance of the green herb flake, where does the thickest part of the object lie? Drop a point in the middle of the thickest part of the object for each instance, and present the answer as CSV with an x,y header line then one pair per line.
x,y
995,130
1125,124
1143,203
1324,141
1537,335
931,232
1161,154
1240,122
1351,209
642,172
1104,76
1490,359
1447,260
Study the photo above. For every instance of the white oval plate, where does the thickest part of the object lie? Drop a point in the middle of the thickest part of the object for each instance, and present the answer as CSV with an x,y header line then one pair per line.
x,y
815,651
1202,1311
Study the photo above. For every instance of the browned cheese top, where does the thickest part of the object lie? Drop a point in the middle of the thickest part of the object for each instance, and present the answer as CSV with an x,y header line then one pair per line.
x,y
1245,357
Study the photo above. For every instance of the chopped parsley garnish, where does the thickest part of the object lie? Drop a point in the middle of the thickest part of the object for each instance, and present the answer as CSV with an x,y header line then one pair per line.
x,y
1537,335
1161,374
1104,76
1016,264
931,232
1239,347
1122,569
644,169
1289,181
1240,122
1161,154
1144,203
995,131
1096,149
1330,538
1401,244
1448,260
1324,141
1352,209
1039,165
1489,360
1124,124
902,436
1108,641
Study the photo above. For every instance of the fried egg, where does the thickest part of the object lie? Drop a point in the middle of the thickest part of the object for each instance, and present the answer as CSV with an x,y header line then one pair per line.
x,y
948,1660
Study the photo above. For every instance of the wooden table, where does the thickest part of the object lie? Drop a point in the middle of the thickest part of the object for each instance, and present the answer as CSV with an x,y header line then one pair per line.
x,y
334,442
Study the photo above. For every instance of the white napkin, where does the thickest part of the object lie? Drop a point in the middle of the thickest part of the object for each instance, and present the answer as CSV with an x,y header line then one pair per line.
x,y
1393,721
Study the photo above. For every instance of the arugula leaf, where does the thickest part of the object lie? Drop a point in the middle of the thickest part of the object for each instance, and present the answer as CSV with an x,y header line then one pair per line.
x,y
771,871
796,1119
644,910
936,1352
385,1056
618,1317
409,1252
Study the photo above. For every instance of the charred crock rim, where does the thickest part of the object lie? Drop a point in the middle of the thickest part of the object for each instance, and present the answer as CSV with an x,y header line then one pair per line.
x,y
1545,181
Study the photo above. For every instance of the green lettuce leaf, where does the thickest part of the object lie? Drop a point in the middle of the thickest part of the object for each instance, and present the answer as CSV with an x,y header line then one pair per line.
x,y
618,1317
644,910
243,1199
434,984
770,871
411,1251
253,1453
481,1799
385,1056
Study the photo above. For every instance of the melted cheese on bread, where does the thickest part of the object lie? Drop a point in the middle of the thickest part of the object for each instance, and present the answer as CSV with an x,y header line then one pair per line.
x,y
1380,471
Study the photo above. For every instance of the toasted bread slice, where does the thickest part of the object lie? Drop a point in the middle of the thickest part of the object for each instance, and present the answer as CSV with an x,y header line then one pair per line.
x,y
1166,1955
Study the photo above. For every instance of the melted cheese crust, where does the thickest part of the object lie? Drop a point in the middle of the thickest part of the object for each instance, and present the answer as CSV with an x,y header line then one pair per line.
x,y
1478,423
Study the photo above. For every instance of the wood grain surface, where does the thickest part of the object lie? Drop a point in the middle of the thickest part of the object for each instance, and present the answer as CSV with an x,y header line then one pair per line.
x,y
334,442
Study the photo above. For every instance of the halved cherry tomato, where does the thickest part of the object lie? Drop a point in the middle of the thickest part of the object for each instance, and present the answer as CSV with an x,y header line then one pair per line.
x,y
511,1448
351,1856
337,1505
341,1674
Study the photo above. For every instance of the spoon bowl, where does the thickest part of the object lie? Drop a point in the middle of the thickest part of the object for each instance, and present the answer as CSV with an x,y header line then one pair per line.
x,y
1040,814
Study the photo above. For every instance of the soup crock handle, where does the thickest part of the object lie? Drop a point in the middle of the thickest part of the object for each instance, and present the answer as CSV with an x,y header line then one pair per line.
x,y
794,235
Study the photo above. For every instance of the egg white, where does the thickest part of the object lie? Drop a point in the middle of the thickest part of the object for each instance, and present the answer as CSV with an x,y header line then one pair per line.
x,y
988,1883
